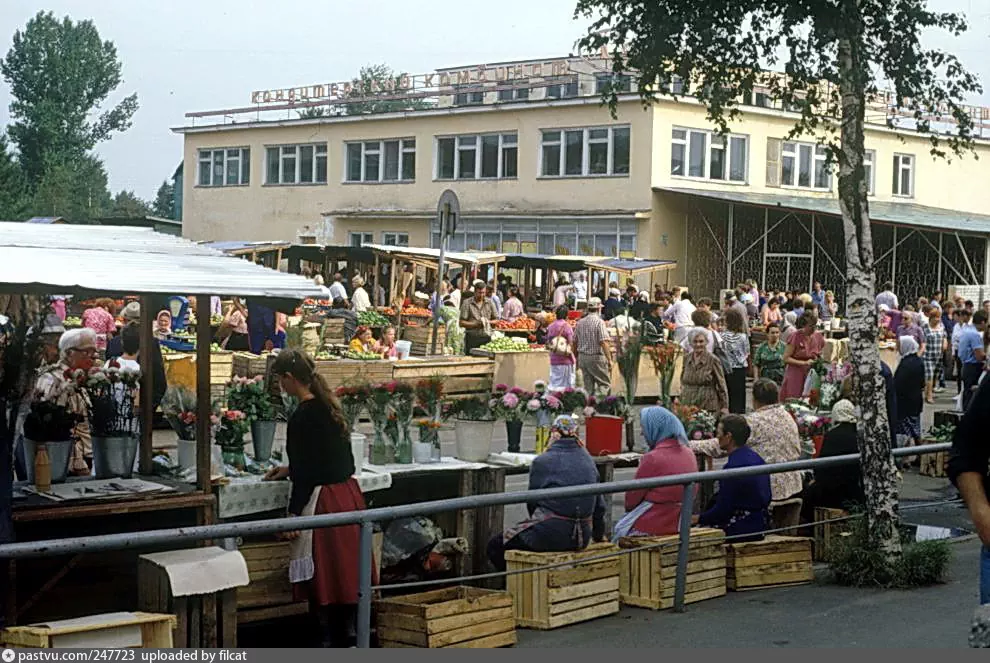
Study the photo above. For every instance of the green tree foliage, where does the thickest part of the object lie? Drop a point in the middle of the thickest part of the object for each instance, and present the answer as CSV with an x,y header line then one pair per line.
x,y
820,59
164,205
60,74
14,201
75,188
374,80
127,205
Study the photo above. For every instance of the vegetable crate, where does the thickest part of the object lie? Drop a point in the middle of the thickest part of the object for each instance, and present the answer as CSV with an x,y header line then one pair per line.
x,y
649,575
773,562
333,331
114,630
248,365
421,338
270,594
221,367
550,598
456,618
826,533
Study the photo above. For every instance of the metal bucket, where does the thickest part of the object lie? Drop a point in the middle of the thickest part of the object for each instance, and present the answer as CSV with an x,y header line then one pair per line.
x,y
114,456
262,437
59,456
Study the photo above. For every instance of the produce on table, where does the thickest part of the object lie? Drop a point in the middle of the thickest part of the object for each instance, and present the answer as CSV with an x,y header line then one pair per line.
x,y
506,344
386,310
72,321
522,324
372,319
323,355
417,311
216,320
363,356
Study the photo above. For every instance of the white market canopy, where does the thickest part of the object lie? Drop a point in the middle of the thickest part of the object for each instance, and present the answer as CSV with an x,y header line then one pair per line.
x,y
431,256
84,260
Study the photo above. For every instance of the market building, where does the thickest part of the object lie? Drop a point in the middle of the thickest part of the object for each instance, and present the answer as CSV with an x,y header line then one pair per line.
x,y
541,166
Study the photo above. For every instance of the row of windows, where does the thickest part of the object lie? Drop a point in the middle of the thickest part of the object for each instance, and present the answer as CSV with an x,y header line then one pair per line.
x,y
701,154
563,153
358,239
565,90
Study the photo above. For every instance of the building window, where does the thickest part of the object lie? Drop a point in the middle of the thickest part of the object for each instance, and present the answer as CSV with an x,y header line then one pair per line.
x,y
620,83
805,166
563,90
903,175
395,239
487,156
382,161
468,98
297,164
230,166
707,155
869,158
584,152
598,238
517,94
360,239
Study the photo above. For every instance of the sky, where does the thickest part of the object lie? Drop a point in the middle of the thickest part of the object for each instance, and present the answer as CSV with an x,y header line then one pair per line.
x,y
186,55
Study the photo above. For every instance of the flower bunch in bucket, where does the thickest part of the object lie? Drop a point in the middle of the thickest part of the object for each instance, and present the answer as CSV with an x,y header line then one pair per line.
x,y
508,404
614,406
179,407
429,395
572,400
664,357
112,394
698,424
353,399
250,396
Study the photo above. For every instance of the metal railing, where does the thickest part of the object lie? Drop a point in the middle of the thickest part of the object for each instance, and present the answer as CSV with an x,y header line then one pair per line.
x,y
367,518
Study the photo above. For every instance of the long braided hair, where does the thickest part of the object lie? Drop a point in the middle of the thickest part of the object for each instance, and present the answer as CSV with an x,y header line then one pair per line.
x,y
301,366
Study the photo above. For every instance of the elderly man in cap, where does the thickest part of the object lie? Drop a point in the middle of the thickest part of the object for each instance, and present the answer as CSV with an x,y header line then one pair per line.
x,y
477,314
360,301
115,348
593,349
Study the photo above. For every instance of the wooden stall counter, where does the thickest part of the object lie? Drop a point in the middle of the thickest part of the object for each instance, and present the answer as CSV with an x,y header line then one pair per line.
x,y
519,369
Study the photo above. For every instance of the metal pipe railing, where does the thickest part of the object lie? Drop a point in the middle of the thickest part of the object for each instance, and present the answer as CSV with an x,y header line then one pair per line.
x,y
366,518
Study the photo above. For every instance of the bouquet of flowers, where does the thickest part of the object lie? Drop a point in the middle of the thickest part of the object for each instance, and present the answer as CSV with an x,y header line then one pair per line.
x,y
572,400
230,436
112,395
429,431
429,395
628,350
809,422
506,405
378,404
830,389
352,400
664,356
698,424
543,405
473,408
47,421
614,406
403,405
179,408
250,396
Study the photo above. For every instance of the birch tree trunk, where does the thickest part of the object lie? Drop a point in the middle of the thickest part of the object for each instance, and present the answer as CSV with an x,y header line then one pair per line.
x,y
879,472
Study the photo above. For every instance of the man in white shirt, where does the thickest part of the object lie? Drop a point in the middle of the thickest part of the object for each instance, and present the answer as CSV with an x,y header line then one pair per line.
x,y
887,297
359,300
580,287
337,289
680,314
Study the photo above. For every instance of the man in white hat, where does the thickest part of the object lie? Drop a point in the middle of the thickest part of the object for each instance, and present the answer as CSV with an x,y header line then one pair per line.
x,y
593,349
360,301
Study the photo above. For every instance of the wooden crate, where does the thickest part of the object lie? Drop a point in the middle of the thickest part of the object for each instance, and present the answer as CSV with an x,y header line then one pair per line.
x,y
649,576
565,595
333,331
773,562
934,465
343,372
462,376
270,593
218,392
456,618
204,620
248,365
119,630
221,367
421,338
826,534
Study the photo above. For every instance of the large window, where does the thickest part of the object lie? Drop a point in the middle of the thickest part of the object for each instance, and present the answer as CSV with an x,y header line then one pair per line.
x,y
599,238
486,156
468,98
563,90
584,152
395,239
297,164
382,161
360,239
903,175
517,94
707,155
805,166
229,166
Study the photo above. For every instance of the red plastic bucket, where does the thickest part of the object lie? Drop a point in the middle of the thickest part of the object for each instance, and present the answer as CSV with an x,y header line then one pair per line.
x,y
604,435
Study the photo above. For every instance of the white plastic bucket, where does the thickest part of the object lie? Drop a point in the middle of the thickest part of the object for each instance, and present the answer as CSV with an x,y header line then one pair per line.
x,y
187,454
357,451
403,348
474,440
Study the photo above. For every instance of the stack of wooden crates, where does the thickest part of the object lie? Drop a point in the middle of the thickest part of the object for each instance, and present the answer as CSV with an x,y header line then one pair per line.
x,y
421,337
649,574
221,370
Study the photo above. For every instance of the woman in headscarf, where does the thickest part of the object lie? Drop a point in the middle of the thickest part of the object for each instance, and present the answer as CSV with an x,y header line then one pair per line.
x,y
561,524
788,328
656,512
839,486
909,386
909,327
163,325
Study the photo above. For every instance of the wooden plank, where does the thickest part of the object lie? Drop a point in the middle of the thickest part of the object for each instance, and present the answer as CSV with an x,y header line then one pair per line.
x,y
696,586
571,576
584,589
774,586
584,614
415,638
764,560
227,606
209,635
541,596
769,546
435,626
391,644
446,602
772,569
473,632
774,579
694,597
699,566
501,640
578,604
195,623
272,612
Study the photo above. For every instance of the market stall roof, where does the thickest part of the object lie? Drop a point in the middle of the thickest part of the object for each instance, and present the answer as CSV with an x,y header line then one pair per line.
x,y
907,214
556,262
320,252
84,260
430,256
235,248
631,266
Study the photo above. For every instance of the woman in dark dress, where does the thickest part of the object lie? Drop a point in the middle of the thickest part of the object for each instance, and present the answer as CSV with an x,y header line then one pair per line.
x,y
840,486
909,385
323,563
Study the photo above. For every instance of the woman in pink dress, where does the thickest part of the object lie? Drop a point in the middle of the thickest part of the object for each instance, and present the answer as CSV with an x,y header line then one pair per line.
x,y
100,319
804,347
561,351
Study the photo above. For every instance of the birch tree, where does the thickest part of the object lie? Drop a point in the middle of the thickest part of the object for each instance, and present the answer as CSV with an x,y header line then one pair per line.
x,y
825,60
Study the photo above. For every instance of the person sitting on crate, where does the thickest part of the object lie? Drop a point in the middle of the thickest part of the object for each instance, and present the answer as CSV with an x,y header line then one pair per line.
x,y
742,504
563,524
840,486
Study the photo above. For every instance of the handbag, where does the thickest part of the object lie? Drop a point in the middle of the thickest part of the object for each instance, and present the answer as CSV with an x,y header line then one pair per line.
x,y
719,352
559,346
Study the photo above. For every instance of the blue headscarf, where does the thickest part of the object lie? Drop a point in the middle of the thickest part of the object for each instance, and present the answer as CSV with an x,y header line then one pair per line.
x,y
660,424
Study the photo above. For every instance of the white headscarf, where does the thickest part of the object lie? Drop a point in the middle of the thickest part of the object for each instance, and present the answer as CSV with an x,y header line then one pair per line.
x,y
908,345
844,412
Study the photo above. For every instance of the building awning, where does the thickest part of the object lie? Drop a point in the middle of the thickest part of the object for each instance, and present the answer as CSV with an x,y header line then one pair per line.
x,y
906,214
235,248
431,256
560,263
631,267
86,260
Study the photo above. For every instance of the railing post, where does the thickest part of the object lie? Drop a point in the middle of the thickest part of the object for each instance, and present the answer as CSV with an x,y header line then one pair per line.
x,y
680,581
364,586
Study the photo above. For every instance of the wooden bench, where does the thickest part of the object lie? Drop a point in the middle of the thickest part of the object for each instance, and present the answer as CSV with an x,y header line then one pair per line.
x,y
825,533
773,562
456,617
556,597
649,575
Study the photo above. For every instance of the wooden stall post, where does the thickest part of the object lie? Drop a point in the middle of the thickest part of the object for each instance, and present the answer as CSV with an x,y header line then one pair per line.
x,y
147,386
203,405
378,282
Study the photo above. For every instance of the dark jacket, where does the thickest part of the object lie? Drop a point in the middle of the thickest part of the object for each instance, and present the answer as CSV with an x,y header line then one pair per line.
x,y
612,308
841,484
888,383
741,505
909,385
971,444
159,383
577,520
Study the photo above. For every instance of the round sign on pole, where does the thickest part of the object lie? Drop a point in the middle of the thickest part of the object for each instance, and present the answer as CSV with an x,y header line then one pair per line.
x,y
449,210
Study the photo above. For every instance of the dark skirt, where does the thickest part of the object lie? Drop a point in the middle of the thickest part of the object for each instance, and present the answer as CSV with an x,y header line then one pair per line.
x,y
335,550
736,384
238,343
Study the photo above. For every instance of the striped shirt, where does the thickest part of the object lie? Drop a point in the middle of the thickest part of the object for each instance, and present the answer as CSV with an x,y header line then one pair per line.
x,y
589,334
